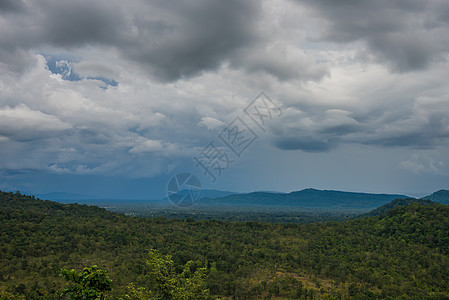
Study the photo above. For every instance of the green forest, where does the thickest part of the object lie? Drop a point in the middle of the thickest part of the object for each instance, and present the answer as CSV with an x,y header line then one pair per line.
x,y
50,250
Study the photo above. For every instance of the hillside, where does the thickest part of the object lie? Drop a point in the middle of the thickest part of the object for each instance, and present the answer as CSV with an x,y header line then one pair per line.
x,y
442,196
307,198
397,203
402,252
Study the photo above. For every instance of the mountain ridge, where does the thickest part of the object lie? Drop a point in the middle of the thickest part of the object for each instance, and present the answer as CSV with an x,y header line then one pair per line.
x,y
307,198
441,196
397,203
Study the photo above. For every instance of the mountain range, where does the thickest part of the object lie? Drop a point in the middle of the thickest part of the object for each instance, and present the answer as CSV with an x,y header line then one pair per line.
x,y
307,198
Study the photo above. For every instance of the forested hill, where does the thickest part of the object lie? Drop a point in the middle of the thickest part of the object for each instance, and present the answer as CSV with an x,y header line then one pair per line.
x,y
13,202
403,253
307,198
442,196
396,203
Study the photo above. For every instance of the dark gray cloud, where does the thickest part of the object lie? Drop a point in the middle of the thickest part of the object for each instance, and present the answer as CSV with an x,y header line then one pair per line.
x,y
305,143
417,129
417,132
197,36
406,35
11,6
78,23
172,40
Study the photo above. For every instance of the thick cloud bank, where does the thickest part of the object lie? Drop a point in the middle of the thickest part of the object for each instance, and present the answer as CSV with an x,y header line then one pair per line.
x,y
137,88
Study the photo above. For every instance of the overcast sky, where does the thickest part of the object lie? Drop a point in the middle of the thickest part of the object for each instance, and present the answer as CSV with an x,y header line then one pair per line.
x,y
112,98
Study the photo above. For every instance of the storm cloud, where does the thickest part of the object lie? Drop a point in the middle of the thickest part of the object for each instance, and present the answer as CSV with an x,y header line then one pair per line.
x,y
136,89
405,35
173,40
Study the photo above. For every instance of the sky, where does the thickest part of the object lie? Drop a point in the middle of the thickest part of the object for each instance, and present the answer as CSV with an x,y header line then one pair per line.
x,y
112,98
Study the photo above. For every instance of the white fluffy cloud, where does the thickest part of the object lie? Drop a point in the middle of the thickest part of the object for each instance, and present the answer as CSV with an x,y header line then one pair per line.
x,y
23,124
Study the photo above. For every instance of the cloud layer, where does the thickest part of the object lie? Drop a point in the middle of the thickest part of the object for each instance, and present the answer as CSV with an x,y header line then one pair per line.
x,y
137,88
405,35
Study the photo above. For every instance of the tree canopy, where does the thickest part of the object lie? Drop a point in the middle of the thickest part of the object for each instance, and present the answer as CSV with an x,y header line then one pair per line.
x,y
403,252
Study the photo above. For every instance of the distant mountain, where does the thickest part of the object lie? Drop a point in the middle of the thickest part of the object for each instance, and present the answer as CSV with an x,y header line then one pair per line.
x,y
396,203
216,193
442,196
95,200
307,198
187,197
